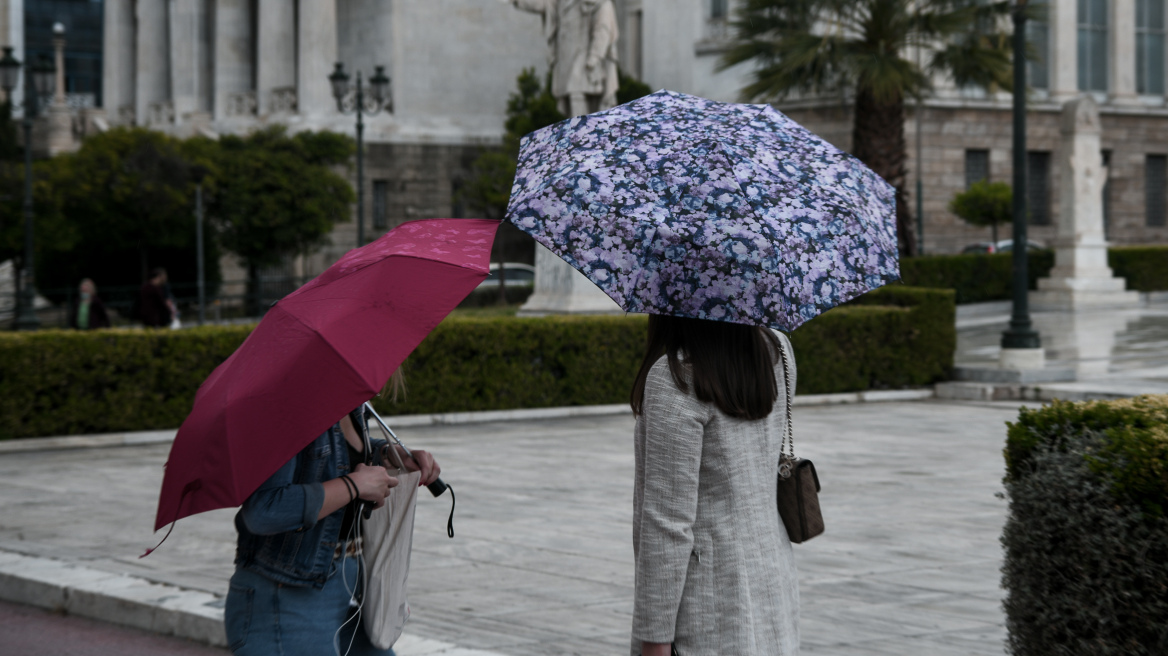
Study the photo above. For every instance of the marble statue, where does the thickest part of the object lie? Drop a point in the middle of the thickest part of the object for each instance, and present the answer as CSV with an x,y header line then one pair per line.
x,y
1081,277
582,36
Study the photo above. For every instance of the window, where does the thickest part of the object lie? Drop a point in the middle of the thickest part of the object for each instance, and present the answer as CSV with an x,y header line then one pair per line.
x,y
1037,73
1107,195
380,200
1150,47
1092,51
977,166
718,9
1155,181
1038,187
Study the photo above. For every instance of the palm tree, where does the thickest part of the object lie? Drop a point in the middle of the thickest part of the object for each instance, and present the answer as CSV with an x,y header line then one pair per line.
x,y
866,48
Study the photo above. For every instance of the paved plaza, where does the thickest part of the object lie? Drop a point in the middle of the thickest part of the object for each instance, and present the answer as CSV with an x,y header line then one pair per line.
x,y
541,562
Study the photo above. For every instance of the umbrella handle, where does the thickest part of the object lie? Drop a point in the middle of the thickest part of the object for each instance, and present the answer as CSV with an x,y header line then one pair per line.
x,y
438,487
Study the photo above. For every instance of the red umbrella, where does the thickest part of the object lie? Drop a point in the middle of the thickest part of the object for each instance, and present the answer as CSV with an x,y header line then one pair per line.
x,y
319,353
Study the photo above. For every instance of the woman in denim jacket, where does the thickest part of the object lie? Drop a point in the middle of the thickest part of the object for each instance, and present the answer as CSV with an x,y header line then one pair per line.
x,y
297,583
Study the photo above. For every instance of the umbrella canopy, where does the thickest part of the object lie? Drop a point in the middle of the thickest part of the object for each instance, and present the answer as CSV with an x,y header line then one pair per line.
x,y
318,353
674,204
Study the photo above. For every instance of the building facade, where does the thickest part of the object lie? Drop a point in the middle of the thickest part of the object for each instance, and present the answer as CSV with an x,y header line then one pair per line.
x,y
1112,49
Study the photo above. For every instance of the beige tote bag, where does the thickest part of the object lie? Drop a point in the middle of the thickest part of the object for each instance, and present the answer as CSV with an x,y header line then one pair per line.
x,y
388,540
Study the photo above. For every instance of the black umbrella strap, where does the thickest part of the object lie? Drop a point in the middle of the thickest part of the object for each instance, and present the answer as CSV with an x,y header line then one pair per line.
x,y
450,521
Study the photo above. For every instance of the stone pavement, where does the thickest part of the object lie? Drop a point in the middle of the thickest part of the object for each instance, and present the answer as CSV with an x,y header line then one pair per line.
x,y
541,562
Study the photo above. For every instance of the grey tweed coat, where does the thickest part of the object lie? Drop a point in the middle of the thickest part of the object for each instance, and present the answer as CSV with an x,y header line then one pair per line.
x,y
715,574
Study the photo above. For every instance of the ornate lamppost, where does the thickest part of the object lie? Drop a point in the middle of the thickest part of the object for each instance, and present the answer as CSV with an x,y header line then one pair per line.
x,y
39,81
1021,345
351,99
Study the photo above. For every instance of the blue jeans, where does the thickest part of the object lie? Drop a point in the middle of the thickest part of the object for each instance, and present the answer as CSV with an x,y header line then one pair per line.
x,y
265,618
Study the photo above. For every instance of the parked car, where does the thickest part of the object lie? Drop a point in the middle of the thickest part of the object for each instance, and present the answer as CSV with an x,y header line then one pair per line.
x,y
1003,246
516,274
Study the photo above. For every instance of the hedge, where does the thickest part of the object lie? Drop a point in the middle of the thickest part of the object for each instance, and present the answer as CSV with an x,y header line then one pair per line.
x,y
978,278
975,278
1145,267
1086,539
60,382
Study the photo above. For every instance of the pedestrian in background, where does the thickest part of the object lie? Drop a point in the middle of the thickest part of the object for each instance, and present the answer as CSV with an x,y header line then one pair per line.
x,y
715,573
87,312
153,308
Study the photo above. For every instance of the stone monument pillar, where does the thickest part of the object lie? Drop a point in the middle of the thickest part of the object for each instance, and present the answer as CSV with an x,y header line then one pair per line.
x,y
1081,278
582,37
59,138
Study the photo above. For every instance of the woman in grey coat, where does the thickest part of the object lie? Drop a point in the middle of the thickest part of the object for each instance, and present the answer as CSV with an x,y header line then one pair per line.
x,y
715,575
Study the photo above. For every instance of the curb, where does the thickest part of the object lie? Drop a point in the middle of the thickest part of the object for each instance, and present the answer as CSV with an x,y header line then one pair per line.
x,y
118,599
971,391
138,438
60,586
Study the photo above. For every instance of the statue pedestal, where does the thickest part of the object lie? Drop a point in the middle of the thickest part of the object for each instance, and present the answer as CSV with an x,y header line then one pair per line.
x,y
1081,278
560,289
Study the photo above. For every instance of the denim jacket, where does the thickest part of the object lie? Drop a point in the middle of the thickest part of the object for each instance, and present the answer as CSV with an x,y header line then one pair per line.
x,y
279,535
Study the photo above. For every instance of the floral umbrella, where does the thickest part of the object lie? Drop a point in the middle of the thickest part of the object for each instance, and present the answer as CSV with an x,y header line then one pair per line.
x,y
674,204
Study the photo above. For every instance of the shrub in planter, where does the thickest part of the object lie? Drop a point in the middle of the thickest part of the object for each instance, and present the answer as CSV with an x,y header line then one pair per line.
x,y
1145,267
1086,541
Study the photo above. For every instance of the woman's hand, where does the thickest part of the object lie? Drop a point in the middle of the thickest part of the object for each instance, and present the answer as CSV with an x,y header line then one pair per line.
x,y
373,483
424,462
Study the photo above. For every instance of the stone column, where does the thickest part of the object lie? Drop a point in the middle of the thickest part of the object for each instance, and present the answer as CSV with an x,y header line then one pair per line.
x,y
1081,278
152,65
1123,52
117,78
59,138
316,41
234,69
276,57
1064,35
185,57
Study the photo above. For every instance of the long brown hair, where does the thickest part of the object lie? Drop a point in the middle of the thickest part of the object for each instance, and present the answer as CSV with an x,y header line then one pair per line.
x,y
729,364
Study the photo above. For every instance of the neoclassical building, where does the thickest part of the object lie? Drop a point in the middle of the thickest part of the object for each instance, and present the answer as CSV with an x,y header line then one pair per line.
x,y
1112,49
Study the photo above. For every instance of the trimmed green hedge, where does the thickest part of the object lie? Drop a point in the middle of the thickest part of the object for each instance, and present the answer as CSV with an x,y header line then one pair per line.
x,y
978,278
59,382
1145,267
975,278
1086,539
894,337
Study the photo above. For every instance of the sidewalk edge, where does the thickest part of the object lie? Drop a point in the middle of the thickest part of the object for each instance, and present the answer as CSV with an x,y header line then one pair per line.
x,y
444,419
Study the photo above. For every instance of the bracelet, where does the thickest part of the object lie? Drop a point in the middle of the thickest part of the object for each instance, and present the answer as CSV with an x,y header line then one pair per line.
x,y
350,486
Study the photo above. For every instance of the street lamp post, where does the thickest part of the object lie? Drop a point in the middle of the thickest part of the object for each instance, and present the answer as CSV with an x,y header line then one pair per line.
x,y
1020,342
199,174
351,99
39,77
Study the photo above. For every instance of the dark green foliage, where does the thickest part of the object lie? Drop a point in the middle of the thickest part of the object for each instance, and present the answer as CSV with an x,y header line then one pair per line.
x,y
65,382
894,337
125,203
55,382
9,148
491,364
1145,267
630,88
1135,454
976,277
531,107
985,203
1083,573
279,195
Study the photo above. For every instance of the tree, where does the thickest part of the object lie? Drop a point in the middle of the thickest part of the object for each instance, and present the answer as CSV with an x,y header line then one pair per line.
x,y
985,203
863,47
126,202
277,196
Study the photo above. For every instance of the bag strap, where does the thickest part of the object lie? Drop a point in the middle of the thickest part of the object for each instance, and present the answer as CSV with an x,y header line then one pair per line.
x,y
787,448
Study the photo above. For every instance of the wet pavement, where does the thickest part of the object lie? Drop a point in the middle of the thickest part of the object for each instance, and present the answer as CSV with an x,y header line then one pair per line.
x,y
542,563
1097,345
